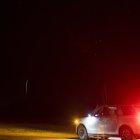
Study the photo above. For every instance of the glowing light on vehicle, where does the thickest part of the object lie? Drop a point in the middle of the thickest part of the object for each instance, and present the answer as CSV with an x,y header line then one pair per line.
x,y
89,115
76,121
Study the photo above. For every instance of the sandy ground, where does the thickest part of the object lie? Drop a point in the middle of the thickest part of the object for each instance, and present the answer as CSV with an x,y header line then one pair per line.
x,y
36,130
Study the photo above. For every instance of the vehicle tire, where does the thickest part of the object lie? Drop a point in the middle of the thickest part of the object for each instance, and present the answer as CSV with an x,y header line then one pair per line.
x,y
82,133
126,133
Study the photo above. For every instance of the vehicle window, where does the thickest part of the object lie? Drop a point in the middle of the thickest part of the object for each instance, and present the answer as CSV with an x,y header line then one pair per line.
x,y
119,112
105,112
128,111
108,111
97,112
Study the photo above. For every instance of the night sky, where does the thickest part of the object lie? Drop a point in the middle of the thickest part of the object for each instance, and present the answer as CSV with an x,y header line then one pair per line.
x,y
71,54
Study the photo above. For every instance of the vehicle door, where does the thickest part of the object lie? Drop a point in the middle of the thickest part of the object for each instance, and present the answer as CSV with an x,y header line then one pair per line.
x,y
109,118
98,125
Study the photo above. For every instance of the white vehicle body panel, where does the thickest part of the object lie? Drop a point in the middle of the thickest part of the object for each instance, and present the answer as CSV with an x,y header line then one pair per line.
x,y
110,125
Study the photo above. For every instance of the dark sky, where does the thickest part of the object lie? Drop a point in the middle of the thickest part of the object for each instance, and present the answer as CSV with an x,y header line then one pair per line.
x,y
71,53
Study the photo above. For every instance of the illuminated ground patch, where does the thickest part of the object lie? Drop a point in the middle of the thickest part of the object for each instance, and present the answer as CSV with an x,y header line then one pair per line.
x,y
9,130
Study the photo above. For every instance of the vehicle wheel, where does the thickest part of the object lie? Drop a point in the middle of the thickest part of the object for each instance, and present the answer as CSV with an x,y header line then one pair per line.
x,y
82,132
126,133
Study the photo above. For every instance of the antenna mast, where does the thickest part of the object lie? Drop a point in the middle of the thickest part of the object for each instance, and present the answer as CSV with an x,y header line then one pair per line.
x,y
105,94
26,87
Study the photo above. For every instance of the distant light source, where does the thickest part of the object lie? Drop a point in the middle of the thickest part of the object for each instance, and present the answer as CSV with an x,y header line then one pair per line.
x,y
76,121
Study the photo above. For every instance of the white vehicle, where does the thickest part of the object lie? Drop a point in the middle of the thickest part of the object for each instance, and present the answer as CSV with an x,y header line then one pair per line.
x,y
105,121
